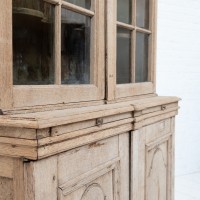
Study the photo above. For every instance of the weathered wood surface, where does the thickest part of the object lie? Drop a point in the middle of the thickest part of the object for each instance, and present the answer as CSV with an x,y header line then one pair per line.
x,y
6,54
11,178
97,164
6,167
13,147
86,172
55,148
70,128
6,189
60,117
152,157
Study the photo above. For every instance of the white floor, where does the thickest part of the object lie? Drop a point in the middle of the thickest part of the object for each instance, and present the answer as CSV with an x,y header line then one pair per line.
x,y
188,187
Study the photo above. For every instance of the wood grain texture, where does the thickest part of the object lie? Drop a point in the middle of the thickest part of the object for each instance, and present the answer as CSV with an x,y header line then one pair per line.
x,y
13,147
29,181
90,176
111,12
45,175
6,54
18,179
6,167
124,147
90,156
47,119
21,133
152,162
128,90
100,188
48,150
6,189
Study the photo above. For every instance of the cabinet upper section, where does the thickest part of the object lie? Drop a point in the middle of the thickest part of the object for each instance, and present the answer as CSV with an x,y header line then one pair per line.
x,y
75,51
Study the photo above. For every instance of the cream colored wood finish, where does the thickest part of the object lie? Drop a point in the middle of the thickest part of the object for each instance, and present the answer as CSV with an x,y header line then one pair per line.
x,y
133,89
103,61
6,54
118,151
11,178
29,96
152,151
92,142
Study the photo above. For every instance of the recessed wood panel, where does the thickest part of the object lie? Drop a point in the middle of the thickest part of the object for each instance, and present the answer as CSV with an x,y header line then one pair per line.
x,y
152,162
99,189
156,172
99,183
81,160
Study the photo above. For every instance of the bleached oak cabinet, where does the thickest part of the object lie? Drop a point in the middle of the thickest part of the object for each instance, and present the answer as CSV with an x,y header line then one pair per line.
x,y
79,115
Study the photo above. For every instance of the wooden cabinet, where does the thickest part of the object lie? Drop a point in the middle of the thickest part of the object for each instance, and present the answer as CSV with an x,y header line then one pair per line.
x,y
79,115
120,151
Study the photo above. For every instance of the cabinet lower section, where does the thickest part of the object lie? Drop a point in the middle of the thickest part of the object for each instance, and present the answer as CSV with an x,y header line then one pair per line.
x,y
153,162
138,165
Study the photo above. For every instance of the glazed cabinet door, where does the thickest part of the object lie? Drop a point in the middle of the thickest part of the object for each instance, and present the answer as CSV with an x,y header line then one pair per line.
x,y
153,162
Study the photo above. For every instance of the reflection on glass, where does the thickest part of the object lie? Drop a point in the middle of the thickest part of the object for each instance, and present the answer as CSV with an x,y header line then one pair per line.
x,y
75,49
141,73
33,42
124,11
143,13
123,56
83,3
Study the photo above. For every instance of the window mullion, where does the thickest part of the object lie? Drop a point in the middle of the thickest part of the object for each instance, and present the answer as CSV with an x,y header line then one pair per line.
x,y
133,47
133,42
152,40
57,45
78,9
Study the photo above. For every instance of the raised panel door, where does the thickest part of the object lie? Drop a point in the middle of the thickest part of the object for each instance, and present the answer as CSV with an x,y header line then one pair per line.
x,y
152,162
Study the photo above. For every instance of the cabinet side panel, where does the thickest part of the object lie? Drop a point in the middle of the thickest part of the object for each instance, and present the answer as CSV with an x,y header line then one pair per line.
x,y
172,165
6,54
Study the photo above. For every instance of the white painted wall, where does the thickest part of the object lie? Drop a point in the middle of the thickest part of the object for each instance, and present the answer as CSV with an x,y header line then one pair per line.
x,y
178,74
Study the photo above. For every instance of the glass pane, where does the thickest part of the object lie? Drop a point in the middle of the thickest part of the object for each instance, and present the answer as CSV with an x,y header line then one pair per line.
x,y
83,3
124,11
143,13
75,48
123,56
33,42
141,74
